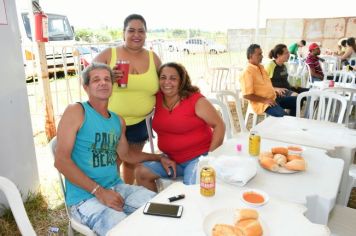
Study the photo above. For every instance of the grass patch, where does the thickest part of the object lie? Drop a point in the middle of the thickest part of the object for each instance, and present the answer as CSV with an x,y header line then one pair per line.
x,y
40,215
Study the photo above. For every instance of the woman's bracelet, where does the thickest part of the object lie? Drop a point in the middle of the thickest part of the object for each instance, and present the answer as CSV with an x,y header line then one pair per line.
x,y
95,189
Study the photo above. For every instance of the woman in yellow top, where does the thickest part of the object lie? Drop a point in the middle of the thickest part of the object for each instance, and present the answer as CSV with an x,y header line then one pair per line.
x,y
137,100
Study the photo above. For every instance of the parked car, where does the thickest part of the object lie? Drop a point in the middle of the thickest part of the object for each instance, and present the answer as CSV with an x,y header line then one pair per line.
x,y
199,45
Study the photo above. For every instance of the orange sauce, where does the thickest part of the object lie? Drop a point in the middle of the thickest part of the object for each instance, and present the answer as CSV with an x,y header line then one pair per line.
x,y
253,197
295,148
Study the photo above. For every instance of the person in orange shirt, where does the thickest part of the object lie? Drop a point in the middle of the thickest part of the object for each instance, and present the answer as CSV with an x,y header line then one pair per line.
x,y
257,88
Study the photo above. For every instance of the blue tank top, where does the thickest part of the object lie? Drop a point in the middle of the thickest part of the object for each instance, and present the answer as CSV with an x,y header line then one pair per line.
x,y
94,152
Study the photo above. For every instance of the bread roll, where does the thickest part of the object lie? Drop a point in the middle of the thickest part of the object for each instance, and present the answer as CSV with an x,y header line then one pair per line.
x,y
280,150
293,157
296,165
226,230
280,159
245,214
269,164
250,227
266,154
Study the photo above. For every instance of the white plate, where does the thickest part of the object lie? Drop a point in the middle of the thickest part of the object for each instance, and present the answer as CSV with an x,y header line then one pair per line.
x,y
225,216
264,195
284,170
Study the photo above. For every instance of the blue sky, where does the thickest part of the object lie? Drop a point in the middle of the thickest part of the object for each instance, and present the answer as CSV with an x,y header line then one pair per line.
x,y
203,14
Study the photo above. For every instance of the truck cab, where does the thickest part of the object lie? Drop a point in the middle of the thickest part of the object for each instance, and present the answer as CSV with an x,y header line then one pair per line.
x,y
59,48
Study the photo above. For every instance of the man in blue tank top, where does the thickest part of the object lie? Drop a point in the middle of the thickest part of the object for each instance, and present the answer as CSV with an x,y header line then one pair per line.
x,y
89,140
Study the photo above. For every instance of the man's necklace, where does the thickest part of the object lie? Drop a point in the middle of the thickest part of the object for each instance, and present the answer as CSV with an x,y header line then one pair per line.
x,y
170,107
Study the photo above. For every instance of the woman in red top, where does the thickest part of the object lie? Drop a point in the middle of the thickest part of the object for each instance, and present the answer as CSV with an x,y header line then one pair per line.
x,y
187,127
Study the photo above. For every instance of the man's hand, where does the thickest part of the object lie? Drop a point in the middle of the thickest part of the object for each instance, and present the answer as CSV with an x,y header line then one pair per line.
x,y
110,198
280,91
167,163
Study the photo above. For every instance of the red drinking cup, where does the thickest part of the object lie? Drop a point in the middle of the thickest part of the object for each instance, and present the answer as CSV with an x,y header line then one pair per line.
x,y
124,67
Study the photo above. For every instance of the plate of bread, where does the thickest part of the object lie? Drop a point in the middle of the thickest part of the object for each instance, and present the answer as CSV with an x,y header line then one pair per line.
x,y
285,160
231,222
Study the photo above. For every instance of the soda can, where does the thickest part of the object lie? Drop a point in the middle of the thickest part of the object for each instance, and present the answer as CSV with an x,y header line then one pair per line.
x,y
254,143
207,181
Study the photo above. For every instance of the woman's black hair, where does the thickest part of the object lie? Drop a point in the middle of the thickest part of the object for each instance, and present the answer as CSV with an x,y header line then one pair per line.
x,y
277,50
134,17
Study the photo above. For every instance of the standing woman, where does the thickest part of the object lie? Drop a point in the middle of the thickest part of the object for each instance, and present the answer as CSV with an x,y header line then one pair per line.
x,y
137,100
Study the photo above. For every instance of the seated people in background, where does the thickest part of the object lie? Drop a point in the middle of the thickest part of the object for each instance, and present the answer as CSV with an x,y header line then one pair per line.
x,y
187,127
341,47
257,87
294,48
350,51
313,62
89,139
277,70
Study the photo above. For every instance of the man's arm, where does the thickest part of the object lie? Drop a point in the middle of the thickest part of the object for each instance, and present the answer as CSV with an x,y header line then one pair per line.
x,y
256,98
68,127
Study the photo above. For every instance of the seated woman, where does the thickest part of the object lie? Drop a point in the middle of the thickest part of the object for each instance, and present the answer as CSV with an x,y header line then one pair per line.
x,y
277,71
350,51
187,127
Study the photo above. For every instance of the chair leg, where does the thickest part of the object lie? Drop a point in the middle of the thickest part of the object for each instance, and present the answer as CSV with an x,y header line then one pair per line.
x,y
70,230
254,120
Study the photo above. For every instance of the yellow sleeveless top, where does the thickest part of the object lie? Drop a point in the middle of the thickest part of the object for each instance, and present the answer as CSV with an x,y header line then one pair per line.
x,y
137,100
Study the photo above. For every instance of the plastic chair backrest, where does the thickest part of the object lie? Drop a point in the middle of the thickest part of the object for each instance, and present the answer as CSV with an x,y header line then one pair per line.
x,y
323,105
149,129
219,79
225,115
14,199
73,223
224,97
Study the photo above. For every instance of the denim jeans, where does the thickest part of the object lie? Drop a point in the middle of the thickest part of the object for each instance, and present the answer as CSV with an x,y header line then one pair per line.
x,y
186,169
283,103
101,218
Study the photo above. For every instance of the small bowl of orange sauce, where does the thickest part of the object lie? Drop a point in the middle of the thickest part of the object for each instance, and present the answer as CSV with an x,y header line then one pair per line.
x,y
254,197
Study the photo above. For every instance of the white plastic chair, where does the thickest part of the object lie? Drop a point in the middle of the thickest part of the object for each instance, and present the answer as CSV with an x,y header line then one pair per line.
x,y
149,130
330,65
322,105
249,112
225,97
14,199
342,221
225,115
219,79
73,223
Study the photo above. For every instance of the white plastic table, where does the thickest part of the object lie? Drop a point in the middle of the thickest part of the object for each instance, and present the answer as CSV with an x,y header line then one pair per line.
x,y
338,140
316,188
279,217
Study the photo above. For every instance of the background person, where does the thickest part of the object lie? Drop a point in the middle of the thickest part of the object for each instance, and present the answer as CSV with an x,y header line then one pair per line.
x,y
88,140
257,87
137,100
187,127
313,61
278,72
350,51
294,48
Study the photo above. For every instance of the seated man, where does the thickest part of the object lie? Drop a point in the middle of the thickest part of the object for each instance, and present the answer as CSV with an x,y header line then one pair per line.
x,y
257,87
88,140
313,62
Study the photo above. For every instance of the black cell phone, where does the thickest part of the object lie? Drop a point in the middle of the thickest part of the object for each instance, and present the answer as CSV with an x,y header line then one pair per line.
x,y
160,209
